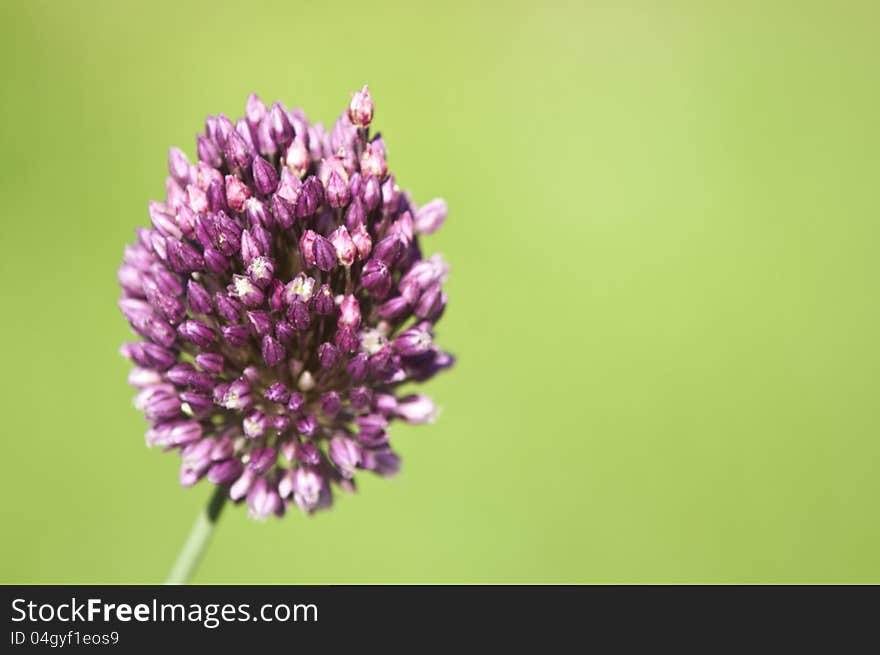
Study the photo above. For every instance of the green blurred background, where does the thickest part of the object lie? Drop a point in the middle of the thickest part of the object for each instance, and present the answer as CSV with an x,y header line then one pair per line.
x,y
664,292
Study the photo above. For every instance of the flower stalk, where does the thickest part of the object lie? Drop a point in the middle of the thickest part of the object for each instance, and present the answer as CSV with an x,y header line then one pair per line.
x,y
197,542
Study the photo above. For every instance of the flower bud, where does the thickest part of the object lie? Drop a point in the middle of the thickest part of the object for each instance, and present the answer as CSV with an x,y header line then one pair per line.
x,y
360,109
265,176
376,278
324,304
324,253
345,248
328,355
272,351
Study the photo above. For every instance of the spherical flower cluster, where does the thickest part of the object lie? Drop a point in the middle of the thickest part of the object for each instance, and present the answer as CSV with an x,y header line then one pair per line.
x,y
283,300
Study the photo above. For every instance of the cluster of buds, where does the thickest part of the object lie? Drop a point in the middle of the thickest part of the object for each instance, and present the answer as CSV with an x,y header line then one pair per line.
x,y
283,299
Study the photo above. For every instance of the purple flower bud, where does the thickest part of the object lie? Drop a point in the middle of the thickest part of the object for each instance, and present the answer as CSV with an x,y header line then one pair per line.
x,y
295,402
260,322
358,367
297,158
416,409
338,194
431,217
208,152
306,425
263,500
143,377
275,291
245,131
257,213
246,291
178,166
307,453
285,332
355,215
290,187
148,355
215,262
376,278
430,303
237,193
217,196
262,459
345,454
360,109
280,128
389,249
197,452
235,395
238,151
345,248
129,279
255,110
180,374
350,313
158,404
228,235
360,398
371,424
299,315
255,425
186,219
346,339
307,248
164,222
300,287
205,175
260,271
169,306
198,333
324,304
197,404
281,423
307,486
283,211
395,309
328,355
382,461
197,298
278,393
182,257
412,342
362,241
324,253
372,193
178,433
403,227
265,176
221,128
249,248
310,198
331,403
235,335
227,308
225,471
373,162
243,485
273,352
210,362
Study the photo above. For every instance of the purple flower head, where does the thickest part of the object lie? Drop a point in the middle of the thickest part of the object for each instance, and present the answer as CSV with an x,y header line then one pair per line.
x,y
282,301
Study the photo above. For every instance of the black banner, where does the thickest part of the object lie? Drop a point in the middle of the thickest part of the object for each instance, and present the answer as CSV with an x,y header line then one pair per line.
x,y
392,618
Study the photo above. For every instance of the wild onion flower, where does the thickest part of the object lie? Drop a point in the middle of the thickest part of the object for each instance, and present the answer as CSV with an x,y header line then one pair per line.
x,y
284,302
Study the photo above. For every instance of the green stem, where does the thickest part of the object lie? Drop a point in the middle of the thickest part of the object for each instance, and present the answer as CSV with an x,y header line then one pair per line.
x,y
197,541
